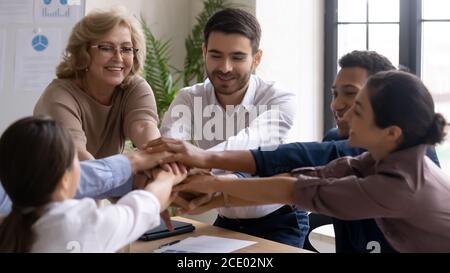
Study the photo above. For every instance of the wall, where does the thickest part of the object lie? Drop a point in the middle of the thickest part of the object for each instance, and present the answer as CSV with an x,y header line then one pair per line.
x,y
293,57
15,101
163,17
292,42
134,6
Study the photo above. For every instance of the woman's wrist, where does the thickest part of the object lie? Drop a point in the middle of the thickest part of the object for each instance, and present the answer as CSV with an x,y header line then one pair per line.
x,y
213,160
134,162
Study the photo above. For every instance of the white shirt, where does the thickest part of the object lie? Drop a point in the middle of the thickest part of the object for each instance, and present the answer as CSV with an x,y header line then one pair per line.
x,y
263,118
79,226
101,178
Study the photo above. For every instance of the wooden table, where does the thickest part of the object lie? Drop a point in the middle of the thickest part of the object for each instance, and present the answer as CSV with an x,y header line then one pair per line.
x,y
261,246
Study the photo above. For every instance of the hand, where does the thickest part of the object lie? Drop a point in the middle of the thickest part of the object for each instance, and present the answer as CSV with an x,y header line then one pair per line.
x,y
165,216
165,213
142,160
140,181
191,200
215,201
201,200
179,202
182,152
197,183
189,196
173,172
198,171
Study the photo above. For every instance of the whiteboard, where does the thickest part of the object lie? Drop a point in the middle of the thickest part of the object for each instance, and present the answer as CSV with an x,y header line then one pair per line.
x,y
33,35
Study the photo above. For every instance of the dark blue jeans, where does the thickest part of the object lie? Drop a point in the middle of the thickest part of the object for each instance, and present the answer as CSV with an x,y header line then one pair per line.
x,y
285,225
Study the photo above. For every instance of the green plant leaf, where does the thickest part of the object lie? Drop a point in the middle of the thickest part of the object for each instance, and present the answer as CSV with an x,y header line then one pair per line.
x,y
193,63
157,70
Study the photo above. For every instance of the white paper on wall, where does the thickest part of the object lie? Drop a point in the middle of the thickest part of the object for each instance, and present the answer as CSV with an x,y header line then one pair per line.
x,y
2,56
38,52
16,11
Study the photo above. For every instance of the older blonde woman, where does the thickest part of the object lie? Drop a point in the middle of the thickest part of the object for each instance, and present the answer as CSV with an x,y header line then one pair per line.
x,y
98,94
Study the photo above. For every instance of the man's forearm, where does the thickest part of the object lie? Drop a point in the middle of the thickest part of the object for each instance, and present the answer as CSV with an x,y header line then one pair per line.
x,y
241,161
218,201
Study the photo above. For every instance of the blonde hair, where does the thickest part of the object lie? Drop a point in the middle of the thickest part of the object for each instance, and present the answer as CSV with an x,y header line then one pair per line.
x,y
92,27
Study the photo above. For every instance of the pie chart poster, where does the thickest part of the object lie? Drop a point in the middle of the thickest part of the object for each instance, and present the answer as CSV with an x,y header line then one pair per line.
x,y
38,53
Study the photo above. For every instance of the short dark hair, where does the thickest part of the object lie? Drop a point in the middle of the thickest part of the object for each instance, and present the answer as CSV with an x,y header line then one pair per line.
x,y
232,21
35,152
372,61
400,98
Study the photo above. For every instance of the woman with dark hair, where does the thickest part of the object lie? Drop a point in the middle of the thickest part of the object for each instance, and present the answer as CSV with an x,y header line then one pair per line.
x,y
394,182
41,179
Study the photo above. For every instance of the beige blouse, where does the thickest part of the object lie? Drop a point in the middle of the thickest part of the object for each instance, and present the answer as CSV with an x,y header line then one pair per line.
x,y
99,129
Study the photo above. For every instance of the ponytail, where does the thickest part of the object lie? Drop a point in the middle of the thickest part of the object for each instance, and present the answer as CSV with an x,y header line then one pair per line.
x,y
16,233
30,175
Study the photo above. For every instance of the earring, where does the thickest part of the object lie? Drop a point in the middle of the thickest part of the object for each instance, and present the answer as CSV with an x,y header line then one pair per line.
x,y
87,69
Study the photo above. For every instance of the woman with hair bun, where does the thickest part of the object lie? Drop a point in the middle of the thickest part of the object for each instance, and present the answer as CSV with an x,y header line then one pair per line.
x,y
394,182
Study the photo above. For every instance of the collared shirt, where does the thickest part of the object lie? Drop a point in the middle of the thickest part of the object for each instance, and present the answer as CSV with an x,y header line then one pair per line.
x,y
406,194
102,178
79,226
263,118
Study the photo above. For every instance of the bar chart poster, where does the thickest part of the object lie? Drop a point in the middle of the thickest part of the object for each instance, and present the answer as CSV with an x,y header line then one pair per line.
x,y
46,11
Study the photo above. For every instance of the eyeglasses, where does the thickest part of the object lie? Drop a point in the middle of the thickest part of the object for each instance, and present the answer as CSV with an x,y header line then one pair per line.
x,y
110,50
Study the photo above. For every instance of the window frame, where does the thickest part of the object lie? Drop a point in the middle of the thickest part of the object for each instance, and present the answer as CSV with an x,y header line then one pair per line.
x,y
410,31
